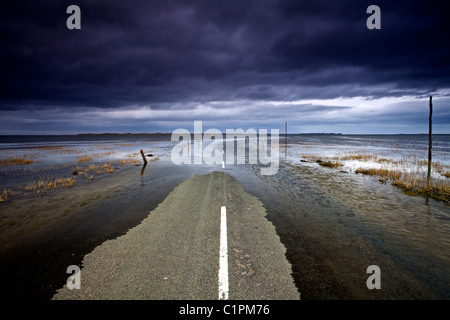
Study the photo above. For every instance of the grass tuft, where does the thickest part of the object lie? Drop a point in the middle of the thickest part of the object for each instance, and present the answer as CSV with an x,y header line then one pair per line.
x,y
411,184
330,164
84,158
15,161
49,184
4,196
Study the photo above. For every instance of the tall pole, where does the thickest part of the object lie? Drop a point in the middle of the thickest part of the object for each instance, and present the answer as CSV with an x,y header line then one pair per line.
x,y
285,133
429,143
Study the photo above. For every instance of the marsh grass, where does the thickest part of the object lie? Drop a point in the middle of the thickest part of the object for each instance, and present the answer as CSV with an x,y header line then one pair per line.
x,y
438,190
359,157
128,161
49,183
330,164
441,169
94,168
84,158
406,172
412,183
312,157
108,168
4,196
84,167
15,161
89,171
382,173
132,158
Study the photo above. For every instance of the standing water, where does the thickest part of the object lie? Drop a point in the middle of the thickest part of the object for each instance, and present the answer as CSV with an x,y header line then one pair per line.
x,y
334,222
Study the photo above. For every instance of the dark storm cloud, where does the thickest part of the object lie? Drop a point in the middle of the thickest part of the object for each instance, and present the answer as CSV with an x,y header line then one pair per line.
x,y
174,55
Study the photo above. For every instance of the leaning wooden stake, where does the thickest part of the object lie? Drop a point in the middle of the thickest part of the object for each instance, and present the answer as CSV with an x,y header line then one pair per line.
x,y
429,143
143,157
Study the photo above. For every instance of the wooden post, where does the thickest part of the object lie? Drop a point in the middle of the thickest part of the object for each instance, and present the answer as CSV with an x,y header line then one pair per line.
x,y
143,157
429,143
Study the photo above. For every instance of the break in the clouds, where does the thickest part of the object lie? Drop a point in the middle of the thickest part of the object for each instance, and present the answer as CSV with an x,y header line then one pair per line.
x,y
147,66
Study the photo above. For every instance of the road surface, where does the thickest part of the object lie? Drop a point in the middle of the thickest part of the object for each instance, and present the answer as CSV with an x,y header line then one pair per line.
x,y
175,253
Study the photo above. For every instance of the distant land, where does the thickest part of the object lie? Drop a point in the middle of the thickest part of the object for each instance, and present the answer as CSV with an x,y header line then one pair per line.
x,y
160,133
130,134
281,134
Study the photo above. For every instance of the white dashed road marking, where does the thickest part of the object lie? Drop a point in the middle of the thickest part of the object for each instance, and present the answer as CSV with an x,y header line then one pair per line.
x,y
223,263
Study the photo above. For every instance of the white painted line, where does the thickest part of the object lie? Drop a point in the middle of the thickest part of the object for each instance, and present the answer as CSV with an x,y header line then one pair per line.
x,y
223,262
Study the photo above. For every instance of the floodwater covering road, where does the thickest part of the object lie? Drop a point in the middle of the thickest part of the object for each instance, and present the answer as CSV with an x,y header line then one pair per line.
x,y
174,253
333,226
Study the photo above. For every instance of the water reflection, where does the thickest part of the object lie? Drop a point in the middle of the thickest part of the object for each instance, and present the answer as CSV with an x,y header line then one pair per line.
x,y
333,224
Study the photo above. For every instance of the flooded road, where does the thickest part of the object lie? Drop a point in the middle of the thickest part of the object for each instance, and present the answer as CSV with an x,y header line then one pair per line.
x,y
333,224
42,236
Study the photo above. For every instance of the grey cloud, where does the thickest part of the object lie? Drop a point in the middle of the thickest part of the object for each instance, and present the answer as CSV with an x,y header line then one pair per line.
x,y
175,55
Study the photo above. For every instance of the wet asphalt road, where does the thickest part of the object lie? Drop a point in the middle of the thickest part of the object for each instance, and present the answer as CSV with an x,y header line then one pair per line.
x,y
174,253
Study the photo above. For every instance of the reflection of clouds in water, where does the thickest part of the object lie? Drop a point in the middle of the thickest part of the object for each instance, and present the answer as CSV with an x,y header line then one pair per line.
x,y
402,153
69,152
83,160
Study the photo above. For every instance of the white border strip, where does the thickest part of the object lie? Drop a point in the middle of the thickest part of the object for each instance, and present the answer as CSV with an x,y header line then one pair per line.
x,y
223,263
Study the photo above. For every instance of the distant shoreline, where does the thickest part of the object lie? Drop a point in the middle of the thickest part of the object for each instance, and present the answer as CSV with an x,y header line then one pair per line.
x,y
289,134
281,134
121,134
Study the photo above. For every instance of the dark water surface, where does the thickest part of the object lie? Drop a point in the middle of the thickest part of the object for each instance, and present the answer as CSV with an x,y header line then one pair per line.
x,y
333,224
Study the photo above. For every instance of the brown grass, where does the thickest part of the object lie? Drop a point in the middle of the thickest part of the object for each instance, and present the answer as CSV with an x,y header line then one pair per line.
x,y
411,183
108,168
385,160
382,173
438,190
98,169
15,161
84,158
330,164
129,161
360,157
311,157
49,184
405,173
4,196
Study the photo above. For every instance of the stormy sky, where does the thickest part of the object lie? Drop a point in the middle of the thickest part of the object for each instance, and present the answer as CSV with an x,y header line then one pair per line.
x,y
157,65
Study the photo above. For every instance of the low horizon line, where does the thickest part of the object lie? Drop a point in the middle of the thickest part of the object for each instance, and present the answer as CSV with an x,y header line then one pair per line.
x,y
168,133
